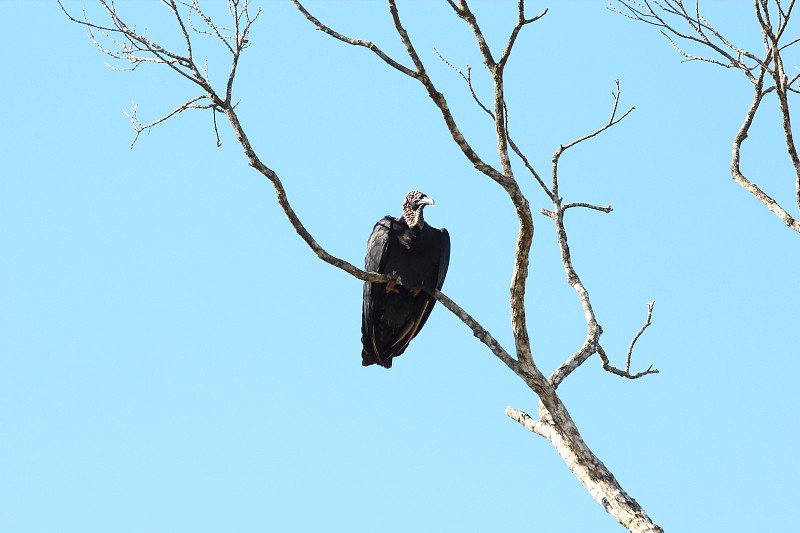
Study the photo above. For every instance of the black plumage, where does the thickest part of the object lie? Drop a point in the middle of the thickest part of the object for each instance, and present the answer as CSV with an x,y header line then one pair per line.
x,y
419,255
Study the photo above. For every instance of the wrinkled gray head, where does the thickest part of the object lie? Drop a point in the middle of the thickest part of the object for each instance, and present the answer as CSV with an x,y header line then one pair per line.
x,y
412,208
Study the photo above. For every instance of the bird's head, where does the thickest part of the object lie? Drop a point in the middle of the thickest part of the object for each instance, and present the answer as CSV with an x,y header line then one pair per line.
x,y
413,204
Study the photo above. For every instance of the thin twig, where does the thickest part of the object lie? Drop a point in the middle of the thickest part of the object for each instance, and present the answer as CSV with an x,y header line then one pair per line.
x,y
606,209
468,79
639,334
355,42
622,373
139,127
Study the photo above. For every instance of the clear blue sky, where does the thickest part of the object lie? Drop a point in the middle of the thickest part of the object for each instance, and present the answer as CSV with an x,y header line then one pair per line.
x,y
173,358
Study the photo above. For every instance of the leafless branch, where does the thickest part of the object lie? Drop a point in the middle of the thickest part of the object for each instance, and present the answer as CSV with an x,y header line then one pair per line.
x,y
521,21
656,13
639,334
606,209
611,121
531,424
736,171
554,414
479,331
214,30
355,42
701,32
186,68
692,57
591,343
588,349
602,487
216,129
622,373
528,165
627,372
139,127
468,79
463,10
521,205
564,434
556,423
504,178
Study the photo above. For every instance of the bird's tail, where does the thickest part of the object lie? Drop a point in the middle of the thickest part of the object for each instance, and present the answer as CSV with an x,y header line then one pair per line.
x,y
368,359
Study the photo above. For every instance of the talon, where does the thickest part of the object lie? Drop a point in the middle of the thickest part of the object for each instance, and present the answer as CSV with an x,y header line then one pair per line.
x,y
391,287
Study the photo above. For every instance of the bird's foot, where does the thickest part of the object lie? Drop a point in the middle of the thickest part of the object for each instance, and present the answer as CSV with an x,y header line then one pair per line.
x,y
392,287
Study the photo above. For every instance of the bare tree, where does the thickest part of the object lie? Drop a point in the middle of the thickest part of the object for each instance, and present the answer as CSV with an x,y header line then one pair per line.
x,y
123,41
678,23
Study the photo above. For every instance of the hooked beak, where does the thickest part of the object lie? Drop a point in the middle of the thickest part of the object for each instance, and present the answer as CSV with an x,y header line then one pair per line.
x,y
427,201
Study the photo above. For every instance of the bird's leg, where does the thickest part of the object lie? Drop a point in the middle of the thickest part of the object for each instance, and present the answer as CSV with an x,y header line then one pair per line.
x,y
391,287
416,291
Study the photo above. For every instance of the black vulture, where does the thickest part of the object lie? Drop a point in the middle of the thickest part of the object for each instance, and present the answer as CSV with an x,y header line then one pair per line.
x,y
418,254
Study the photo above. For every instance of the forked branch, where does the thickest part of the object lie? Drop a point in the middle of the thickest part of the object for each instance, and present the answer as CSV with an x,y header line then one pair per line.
x,y
591,344
135,47
627,372
736,171
190,104
504,178
678,24
556,423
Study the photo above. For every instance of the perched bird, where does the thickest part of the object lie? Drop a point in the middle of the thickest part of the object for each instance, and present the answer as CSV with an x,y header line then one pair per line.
x,y
416,253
